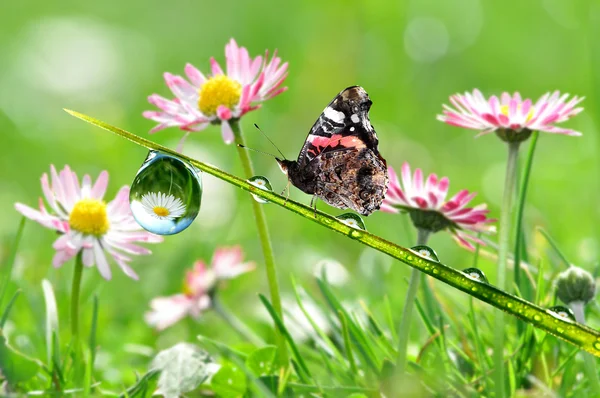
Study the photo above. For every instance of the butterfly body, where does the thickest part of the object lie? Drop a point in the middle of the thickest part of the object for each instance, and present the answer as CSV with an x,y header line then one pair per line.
x,y
340,162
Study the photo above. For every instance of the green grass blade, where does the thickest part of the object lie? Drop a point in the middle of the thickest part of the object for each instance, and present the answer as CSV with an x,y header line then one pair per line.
x,y
554,245
6,311
359,338
304,373
10,262
348,346
579,335
52,342
93,330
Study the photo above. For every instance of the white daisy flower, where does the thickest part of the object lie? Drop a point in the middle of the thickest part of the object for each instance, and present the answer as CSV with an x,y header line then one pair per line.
x,y
163,206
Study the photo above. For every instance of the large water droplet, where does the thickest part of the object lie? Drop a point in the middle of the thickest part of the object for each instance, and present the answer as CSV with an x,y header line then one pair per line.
x,y
261,183
426,252
165,194
352,220
475,274
561,312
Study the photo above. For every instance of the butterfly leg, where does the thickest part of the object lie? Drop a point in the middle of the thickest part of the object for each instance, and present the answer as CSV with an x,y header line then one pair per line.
x,y
313,204
286,189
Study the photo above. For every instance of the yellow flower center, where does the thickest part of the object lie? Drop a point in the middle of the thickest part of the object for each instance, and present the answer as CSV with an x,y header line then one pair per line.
x,y
161,211
216,91
504,111
89,217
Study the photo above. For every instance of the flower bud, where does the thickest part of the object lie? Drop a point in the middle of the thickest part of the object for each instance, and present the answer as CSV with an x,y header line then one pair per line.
x,y
575,284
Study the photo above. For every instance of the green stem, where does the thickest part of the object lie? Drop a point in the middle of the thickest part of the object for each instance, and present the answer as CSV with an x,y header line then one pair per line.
x,y
265,241
520,209
409,304
241,328
574,333
76,287
589,362
502,270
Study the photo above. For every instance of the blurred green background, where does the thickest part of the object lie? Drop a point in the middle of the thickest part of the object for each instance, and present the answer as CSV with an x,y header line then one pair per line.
x,y
105,58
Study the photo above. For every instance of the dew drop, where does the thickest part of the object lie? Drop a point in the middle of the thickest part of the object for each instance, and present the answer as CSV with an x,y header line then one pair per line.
x,y
537,318
425,252
476,274
355,234
165,195
560,312
352,220
261,183
597,345
560,330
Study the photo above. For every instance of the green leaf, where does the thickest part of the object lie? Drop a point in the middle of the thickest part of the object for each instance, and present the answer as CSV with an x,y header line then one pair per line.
x,y
260,362
229,381
15,366
183,368
145,386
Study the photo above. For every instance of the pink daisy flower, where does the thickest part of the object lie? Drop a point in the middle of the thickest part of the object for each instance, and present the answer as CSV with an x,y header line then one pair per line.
x,y
220,97
474,111
87,223
199,286
428,208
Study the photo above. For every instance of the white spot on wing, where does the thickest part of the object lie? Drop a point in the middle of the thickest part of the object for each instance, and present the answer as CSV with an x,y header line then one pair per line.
x,y
352,128
354,118
333,115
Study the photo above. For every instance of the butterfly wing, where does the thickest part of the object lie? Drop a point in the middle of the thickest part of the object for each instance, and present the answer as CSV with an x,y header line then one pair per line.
x,y
344,124
354,178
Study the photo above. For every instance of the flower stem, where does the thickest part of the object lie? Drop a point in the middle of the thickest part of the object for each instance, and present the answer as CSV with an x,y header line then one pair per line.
x,y
76,287
409,303
520,209
503,249
589,362
265,241
241,328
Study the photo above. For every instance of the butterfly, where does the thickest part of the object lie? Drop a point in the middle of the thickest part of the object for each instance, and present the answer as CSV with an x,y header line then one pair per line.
x,y
339,162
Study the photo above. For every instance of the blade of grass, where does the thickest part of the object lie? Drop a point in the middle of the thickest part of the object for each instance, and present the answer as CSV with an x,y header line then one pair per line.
x,y
93,330
389,317
10,262
554,245
318,330
304,373
358,336
52,342
347,344
6,311
580,335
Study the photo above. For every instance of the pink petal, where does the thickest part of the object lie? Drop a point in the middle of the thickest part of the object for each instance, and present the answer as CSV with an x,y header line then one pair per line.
x,y
224,113
227,132
99,188
101,261
195,76
216,68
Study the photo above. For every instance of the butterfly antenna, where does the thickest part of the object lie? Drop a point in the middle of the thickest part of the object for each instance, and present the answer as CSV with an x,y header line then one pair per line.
x,y
256,150
267,137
